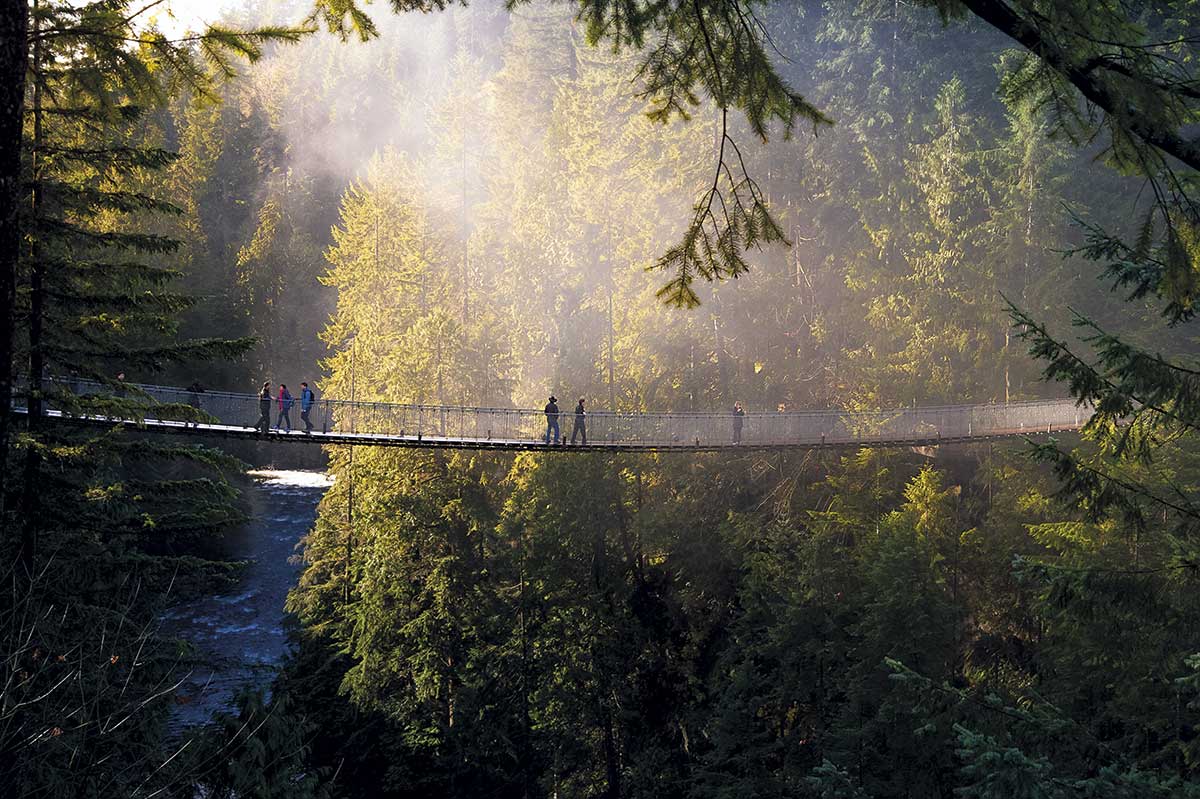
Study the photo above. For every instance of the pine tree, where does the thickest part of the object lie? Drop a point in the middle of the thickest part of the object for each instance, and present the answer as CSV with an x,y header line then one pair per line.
x,y
110,524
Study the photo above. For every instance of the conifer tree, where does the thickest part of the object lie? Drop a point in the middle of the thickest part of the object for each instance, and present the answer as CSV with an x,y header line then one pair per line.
x,y
110,524
96,304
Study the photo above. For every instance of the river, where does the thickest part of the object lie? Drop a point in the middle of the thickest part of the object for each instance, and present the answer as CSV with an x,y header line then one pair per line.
x,y
239,636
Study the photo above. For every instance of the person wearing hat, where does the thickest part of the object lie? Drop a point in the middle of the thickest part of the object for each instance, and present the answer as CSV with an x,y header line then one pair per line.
x,y
580,425
552,419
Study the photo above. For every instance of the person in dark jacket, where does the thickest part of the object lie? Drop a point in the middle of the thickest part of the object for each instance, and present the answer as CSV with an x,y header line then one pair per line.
x,y
307,400
580,427
552,419
285,407
738,416
264,408
194,392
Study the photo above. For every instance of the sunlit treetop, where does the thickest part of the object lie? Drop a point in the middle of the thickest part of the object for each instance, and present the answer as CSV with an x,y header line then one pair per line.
x,y
1099,68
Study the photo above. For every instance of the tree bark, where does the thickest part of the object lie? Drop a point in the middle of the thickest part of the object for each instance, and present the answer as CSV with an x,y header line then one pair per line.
x,y
30,504
14,38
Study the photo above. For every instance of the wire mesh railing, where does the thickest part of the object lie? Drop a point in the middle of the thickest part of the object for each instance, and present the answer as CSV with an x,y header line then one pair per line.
x,y
451,425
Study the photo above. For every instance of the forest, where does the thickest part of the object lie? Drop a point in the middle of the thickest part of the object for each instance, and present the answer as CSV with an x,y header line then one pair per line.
x,y
661,206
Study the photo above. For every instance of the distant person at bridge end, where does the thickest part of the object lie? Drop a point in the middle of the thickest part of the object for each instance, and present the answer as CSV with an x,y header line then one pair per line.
x,y
285,408
307,400
264,408
194,392
739,416
552,420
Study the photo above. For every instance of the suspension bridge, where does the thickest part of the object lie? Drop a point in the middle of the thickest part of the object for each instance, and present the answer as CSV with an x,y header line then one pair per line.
x,y
167,409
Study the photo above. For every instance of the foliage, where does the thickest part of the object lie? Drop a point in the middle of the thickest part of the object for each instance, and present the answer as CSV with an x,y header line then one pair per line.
x,y
487,226
111,528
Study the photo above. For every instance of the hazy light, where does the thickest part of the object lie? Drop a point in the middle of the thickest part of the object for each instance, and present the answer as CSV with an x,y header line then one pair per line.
x,y
176,17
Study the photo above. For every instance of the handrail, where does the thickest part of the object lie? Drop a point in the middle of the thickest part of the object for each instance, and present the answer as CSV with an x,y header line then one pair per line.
x,y
151,388
399,424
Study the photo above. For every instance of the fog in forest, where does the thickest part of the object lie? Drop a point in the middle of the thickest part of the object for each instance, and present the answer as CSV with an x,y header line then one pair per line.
x,y
493,181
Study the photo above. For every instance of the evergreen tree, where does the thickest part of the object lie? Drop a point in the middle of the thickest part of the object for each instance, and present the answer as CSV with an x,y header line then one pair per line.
x,y
109,525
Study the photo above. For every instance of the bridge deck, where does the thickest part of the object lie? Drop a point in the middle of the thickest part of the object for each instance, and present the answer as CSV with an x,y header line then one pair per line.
x,y
435,426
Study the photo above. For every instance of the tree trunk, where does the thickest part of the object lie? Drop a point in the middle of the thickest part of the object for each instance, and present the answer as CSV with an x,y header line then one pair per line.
x,y
612,763
14,30
30,496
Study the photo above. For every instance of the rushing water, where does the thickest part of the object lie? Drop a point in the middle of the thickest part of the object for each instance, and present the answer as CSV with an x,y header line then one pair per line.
x,y
238,636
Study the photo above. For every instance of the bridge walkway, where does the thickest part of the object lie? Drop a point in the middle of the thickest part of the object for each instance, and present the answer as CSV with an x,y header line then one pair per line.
x,y
231,415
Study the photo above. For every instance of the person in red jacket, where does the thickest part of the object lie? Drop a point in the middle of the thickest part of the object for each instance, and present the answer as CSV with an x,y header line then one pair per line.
x,y
285,407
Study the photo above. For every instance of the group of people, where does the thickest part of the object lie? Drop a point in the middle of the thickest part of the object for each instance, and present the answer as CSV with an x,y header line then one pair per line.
x,y
554,435
285,403
552,430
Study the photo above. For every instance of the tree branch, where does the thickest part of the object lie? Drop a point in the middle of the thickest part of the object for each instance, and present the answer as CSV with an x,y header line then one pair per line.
x,y
1004,18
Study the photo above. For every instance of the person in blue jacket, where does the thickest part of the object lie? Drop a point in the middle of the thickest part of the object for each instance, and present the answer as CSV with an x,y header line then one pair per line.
x,y
285,407
307,400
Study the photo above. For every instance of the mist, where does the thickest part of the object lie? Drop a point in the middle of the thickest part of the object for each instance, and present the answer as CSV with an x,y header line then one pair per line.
x,y
449,211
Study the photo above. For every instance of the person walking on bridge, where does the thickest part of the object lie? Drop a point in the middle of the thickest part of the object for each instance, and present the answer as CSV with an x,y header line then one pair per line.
x,y
285,407
194,392
739,416
307,399
264,408
580,427
552,419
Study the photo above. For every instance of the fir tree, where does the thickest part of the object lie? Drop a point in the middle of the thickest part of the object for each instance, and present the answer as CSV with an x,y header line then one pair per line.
x,y
110,525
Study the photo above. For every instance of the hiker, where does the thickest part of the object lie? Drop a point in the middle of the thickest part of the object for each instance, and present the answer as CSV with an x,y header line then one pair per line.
x,y
194,392
264,408
580,425
307,400
552,419
739,416
285,407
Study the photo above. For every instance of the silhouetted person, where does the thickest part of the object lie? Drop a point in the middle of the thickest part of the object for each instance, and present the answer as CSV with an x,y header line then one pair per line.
x,y
264,408
307,400
285,407
194,392
580,427
552,419
739,416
